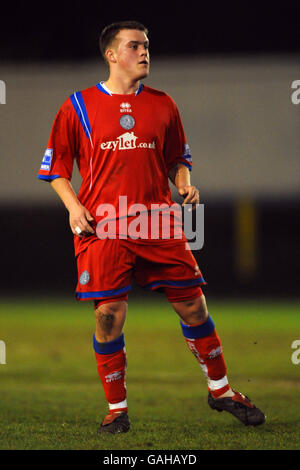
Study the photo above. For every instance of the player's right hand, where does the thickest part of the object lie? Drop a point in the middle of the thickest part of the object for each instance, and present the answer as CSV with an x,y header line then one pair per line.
x,y
80,217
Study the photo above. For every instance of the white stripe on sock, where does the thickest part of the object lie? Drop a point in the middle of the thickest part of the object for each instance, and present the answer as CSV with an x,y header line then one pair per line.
x,y
121,404
217,384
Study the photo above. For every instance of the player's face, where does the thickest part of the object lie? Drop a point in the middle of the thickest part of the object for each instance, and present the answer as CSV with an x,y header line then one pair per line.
x,y
132,53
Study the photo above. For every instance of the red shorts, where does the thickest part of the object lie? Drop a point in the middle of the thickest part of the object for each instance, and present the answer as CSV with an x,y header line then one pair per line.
x,y
106,268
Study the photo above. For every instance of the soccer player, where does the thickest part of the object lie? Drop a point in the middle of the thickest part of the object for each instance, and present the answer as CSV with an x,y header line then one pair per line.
x,y
128,141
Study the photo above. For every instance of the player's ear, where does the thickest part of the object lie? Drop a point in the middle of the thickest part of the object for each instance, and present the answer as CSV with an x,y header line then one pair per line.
x,y
110,56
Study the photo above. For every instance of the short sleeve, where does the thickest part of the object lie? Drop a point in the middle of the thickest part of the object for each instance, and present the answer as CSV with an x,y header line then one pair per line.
x,y
176,149
61,150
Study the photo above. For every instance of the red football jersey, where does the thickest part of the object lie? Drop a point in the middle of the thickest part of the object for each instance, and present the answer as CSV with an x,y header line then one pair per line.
x,y
124,145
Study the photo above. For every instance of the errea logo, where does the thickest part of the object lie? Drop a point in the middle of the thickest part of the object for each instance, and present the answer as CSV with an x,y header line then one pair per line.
x,y
126,141
125,108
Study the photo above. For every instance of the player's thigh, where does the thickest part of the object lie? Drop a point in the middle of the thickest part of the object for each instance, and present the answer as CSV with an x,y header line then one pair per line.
x,y
104,271
172,268
169,264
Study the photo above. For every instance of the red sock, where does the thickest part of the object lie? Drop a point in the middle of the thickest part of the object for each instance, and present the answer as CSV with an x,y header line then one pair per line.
x,y
206,346
112,370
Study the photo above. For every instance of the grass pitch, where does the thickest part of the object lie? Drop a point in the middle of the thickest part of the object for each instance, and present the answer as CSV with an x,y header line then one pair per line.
x,y
51,396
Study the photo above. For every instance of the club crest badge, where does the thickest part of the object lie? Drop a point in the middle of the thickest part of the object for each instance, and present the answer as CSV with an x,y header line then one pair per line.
x,y
84,278
127,121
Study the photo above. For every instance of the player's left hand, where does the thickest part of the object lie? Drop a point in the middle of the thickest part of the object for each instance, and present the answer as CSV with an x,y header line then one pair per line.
x,y
191,195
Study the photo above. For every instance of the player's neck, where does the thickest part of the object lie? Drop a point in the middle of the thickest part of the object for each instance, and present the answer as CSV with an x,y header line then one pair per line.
x,y
122,86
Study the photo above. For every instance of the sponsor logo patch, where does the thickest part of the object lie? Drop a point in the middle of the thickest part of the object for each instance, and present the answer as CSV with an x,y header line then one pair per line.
x,y
126,141
46,162
187,153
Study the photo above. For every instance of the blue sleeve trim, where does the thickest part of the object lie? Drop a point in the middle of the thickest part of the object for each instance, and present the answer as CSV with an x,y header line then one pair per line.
x,y
103,293
110,347
79,106
48,177
187,165
200,331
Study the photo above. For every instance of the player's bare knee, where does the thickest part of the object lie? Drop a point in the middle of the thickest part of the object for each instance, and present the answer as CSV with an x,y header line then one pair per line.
x,y
105,320
199,309
192,311
108,315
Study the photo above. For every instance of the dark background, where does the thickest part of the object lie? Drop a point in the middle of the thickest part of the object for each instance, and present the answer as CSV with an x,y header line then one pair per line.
x,y
32,237
38,254
70,30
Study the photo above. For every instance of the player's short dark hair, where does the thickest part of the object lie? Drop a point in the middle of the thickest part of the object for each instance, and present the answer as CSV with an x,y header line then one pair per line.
x,y
109,33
